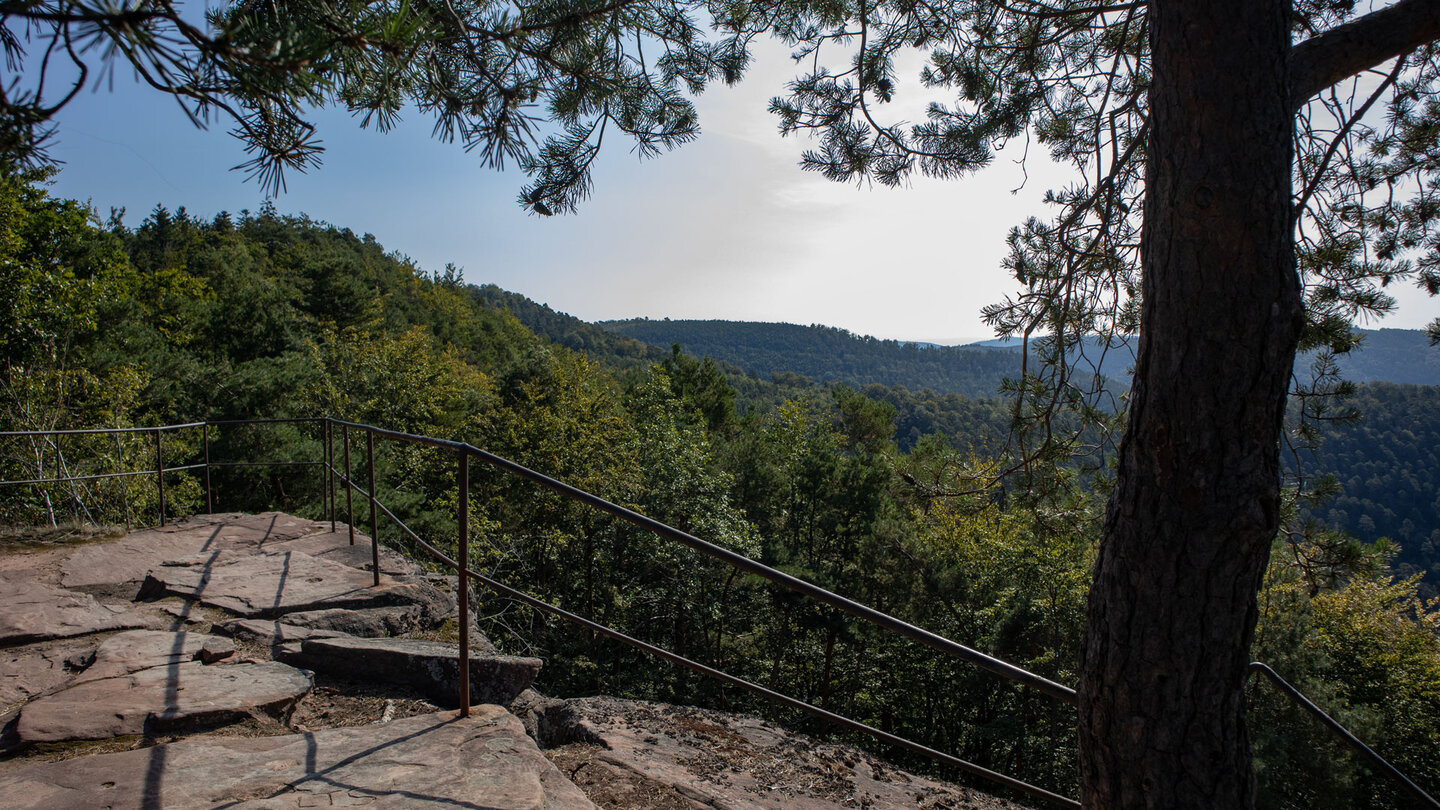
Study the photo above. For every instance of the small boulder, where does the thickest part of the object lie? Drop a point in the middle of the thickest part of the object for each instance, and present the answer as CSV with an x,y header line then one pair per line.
x,y
392,620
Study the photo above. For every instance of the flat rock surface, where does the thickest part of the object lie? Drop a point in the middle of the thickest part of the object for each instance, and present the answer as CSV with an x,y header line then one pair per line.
x,y
32,611
160,698
633,754
33,670
129,558
270,585
430,666
336,547
438,760
134,650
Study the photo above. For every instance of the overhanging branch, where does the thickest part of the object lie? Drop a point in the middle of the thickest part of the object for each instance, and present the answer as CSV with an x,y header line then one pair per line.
x,y
1360,44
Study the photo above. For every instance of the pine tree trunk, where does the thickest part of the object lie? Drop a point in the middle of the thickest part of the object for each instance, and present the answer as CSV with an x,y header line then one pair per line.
x,y
1196,503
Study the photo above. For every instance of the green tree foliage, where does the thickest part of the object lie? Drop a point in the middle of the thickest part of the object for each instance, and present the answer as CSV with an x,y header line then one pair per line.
x,y
1366,648
1013,582
263,317
61,278
615,351
1384,467
255,316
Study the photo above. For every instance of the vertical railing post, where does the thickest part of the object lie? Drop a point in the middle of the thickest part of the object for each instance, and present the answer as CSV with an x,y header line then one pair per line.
x,y
463,558
160,475
205,437
57,473
370,485
324,470
329,493
349,506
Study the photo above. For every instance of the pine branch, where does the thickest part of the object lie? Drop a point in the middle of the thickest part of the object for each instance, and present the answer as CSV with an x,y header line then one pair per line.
x,y
1360,44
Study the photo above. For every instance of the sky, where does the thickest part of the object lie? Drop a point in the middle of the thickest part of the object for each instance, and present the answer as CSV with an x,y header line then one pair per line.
x,y
726,227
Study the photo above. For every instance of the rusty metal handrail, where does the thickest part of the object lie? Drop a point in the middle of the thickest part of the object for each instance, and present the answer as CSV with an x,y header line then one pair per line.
x,y
769,694
877,618
740,561
465,451
160,470
1379,762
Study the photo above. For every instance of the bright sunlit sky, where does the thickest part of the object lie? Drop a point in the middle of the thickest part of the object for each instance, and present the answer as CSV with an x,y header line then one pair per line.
x,y
726,227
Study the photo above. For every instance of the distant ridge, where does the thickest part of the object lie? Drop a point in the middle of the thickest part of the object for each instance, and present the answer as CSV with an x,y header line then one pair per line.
x,y
609,348
826,354
1384,355
1401,356
1392,355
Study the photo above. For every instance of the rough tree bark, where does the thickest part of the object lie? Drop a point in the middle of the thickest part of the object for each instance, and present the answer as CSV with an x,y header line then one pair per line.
x,y
1197,497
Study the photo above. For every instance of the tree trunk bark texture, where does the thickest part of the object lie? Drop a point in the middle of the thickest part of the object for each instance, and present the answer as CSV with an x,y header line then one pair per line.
x,y
1196,502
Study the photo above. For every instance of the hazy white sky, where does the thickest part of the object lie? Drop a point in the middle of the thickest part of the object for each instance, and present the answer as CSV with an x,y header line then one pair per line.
x,y
726,227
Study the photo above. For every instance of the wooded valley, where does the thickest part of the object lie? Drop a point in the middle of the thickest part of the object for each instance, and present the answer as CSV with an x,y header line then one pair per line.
x,y
882,491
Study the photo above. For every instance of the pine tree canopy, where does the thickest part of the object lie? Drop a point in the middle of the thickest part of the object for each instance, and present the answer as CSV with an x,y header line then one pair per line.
x,y
539,84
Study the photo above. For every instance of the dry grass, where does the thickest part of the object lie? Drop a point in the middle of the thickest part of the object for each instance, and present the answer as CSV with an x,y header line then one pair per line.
x,y
448,633
67,533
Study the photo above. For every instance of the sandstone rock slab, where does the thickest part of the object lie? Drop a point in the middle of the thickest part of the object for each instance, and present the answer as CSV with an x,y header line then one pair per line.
x,y
131,557
271,585
429,666
34,670
336,547
31,611
270,631
706,759
134,650
437,760
380,622
161,698
183,613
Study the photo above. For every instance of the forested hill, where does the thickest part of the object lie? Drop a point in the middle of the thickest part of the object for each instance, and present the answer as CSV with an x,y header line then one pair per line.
x,y
1387,465
615,350
826,354
1394,356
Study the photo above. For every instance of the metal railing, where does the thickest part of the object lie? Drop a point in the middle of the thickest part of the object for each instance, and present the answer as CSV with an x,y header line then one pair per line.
x,y
464,452
160,470
1376,761
334,477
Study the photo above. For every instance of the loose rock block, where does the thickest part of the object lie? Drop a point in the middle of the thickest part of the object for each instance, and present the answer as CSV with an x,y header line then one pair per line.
x,y
430,666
